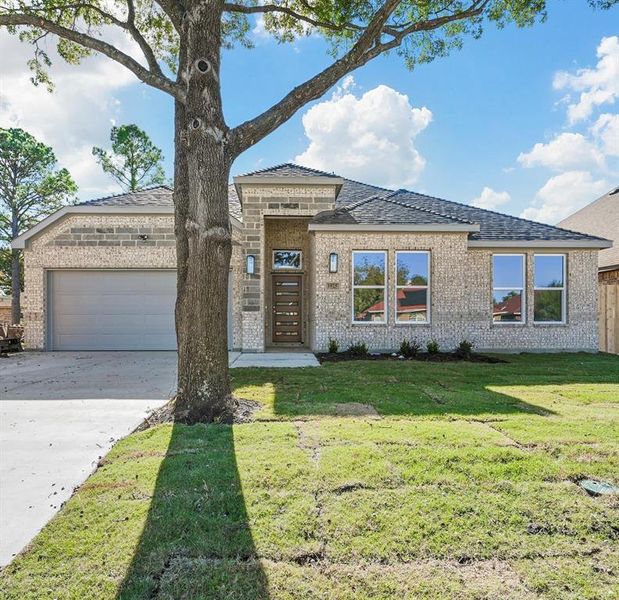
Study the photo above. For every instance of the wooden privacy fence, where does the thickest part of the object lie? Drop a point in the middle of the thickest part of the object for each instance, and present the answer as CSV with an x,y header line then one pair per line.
x,y
608,317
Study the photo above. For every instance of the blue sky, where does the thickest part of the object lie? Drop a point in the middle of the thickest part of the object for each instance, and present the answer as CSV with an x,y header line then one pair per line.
x,y
489,103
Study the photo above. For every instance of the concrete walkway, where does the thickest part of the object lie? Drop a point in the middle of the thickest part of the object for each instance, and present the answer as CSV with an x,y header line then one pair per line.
x,y
273,359
61,411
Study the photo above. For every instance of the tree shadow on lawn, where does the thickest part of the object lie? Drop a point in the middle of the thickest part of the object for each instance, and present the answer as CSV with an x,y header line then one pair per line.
x,y
416,389
196,541
413,389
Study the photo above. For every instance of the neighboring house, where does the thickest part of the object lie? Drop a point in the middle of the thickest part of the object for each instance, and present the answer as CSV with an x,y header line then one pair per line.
x,y
315,257
601,218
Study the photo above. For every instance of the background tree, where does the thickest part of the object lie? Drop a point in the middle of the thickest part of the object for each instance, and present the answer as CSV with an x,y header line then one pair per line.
x,y
31,187
135,162
5,271
185,38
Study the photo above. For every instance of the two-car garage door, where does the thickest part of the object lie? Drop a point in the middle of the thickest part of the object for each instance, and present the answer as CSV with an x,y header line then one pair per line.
x,y
111,310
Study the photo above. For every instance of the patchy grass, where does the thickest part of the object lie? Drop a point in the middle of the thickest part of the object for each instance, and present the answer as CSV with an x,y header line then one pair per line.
x,y
463,488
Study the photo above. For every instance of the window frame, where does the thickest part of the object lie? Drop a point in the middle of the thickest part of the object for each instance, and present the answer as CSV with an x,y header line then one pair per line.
x,y
354,287
562,289
523,290
299,268
427,288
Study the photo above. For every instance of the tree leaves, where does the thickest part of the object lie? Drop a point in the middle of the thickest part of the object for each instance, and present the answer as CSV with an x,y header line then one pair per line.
x,y
31,186
135,162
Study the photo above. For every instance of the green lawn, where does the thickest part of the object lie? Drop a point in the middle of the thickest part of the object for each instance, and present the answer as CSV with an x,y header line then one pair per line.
x,y
449,480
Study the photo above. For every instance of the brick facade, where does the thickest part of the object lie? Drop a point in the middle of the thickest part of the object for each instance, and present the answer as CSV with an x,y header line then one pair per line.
x,y
261,201
461,292
93,241
276,217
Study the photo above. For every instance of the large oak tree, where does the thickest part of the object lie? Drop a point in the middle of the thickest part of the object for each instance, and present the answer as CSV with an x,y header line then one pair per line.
x,y
181,43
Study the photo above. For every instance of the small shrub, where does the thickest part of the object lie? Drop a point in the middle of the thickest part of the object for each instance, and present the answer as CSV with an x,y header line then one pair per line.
x,y
432,347
464,349
409,348
358,349
333,346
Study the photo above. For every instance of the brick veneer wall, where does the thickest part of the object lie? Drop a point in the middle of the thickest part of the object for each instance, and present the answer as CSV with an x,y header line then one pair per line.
x,y
461,292
154,234
103,242
460,287
260,201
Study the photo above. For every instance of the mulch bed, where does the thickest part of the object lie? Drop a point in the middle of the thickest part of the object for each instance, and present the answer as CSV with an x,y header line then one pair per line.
x,y
421,356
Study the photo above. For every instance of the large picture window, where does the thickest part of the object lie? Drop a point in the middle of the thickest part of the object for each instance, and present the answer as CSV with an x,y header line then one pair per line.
x,y
412,287
549,288
369,283
508,288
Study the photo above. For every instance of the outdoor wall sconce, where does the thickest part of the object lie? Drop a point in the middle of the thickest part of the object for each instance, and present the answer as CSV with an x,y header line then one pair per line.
x,y
333,262
143,236
251,264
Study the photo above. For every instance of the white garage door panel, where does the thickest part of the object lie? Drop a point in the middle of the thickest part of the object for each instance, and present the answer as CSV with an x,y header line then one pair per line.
x,y
112,310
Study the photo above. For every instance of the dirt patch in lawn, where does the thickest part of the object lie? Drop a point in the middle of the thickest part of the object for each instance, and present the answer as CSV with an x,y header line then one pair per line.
x,y
244,413
422,356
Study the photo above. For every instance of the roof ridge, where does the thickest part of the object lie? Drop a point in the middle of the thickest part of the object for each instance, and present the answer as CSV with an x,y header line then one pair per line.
x,y
288,164
494,212
147,189
428,210
350,207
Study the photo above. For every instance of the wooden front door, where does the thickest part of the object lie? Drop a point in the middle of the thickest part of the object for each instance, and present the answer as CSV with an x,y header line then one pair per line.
x,y
287,308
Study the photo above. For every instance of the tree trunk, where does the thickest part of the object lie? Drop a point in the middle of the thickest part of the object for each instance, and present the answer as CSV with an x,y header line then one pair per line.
x,y
15,287
202,224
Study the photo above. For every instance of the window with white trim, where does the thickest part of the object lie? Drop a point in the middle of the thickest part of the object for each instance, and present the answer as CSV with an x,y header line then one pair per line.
x,y
412,286
549,288
508,288
369,282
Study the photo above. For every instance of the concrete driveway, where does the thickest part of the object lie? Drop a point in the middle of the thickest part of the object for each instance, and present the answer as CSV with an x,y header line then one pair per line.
x,y
62,411
59,413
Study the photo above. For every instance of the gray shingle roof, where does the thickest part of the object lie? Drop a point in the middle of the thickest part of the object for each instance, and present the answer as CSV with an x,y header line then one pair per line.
x,y
368,204
493,225
379,210
158,196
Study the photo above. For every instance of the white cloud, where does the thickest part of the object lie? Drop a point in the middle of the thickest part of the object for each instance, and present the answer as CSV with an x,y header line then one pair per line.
x,y
370,137
606,130
564,194
491,199
597,86
72,119
566,151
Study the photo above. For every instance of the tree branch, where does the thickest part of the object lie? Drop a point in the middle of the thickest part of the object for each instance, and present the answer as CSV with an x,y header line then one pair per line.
x,y
271,8
367,47
247,134
155,80
131,27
